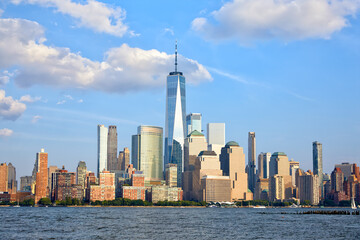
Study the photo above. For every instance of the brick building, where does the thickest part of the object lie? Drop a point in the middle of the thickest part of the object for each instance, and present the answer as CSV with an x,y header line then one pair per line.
x,y
105,190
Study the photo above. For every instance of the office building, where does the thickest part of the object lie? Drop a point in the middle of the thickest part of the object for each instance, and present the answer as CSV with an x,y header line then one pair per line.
x,y
280,187
193,122
123,159
216,137
112,160
194,144
232,161
348,169
12,183
293,168
25,183
147,152
42,181
81,171
3,178
251,161
216,188
175,121
318,163
64,186
309,188
171,175
261,189
263,165
51,170
102,148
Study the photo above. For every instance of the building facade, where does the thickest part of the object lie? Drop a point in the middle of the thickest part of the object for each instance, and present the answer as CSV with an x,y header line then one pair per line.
x,y
81,171
3,178
102,148
175,121
147,152
193,122
105,190
171,175
216,137
251,161
42,181
318,164
112,160
232,161
309,188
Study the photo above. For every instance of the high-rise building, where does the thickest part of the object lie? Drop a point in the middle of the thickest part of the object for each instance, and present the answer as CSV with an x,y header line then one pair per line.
x,y
123,159
293,167
348,169
41,188
112,149
81,176
12,183
147,149
216,137
171,175
232,159
3,178
337,180
51,170
25,183
194,144
251,161
102,148
318,164
309,188
64,186
208,180
193,122
263,165
137,189
280,186
175,121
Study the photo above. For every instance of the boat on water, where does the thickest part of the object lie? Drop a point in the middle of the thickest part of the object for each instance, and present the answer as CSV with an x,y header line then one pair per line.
x,y
258,206
353,206
294,206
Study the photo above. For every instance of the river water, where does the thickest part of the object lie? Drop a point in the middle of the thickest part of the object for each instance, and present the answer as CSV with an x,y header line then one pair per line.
x,y
172,223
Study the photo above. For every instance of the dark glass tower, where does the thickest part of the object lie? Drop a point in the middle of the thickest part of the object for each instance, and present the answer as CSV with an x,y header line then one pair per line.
x,y
112,149
175,122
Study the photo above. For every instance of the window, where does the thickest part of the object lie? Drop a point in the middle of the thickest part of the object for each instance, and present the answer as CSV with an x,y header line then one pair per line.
x,y
235,176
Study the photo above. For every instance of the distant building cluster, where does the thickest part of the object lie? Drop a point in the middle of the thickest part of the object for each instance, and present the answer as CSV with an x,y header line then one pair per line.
x,y
181,163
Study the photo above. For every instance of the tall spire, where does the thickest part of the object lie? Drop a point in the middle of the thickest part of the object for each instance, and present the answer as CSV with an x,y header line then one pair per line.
x,y
176,57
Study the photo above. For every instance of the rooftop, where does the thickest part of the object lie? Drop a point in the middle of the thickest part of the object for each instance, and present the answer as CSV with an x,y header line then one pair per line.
x,y
232,144
207,153
278,154
195,133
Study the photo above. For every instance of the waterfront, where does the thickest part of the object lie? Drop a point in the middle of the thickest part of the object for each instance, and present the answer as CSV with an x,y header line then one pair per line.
x,y
173,223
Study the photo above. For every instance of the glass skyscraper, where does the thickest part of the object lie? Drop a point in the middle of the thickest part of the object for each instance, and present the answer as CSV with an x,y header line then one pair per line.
x,y
175,122
102,149
193,122
147,152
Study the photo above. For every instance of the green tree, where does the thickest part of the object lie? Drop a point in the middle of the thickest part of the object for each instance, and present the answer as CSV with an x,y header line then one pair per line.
x,y
45,201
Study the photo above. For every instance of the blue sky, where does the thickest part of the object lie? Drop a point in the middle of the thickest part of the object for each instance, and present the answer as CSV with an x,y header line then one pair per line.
x,y
288,70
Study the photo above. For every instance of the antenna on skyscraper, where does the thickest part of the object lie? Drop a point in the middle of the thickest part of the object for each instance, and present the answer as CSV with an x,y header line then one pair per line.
x,y
176,56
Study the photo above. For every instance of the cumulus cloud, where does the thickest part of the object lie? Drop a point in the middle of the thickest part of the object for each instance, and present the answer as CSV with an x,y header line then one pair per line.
x,y
123,69
95,15
29,99
5,132
36,118
247,20
10,109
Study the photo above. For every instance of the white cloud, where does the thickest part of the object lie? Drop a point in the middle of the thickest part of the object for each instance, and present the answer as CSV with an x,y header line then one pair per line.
x,y
123,69
5,132
29,99
80,101
69,97
36,118
61,102
10,109
169,30
247,20
95,15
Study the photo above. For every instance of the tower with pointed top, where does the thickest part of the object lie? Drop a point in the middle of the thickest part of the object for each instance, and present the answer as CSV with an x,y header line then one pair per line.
x,y
175,122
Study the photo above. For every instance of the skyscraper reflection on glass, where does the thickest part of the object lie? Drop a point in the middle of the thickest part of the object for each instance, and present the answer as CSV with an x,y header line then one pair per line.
x,y
175,124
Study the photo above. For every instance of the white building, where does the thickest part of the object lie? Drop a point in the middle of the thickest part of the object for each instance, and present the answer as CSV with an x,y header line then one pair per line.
x,y
216,137
102,149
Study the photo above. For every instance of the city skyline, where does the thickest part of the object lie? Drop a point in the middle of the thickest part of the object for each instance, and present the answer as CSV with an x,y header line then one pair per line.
x,y
290,89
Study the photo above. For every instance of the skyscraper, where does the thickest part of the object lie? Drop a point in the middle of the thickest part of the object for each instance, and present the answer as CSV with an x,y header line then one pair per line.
x,y
251,161
263,165
147,149
102,149
12,186
232,162
193,122
175,125
112,148
81,176
216,137
3,178
41,189
317,163
123,159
